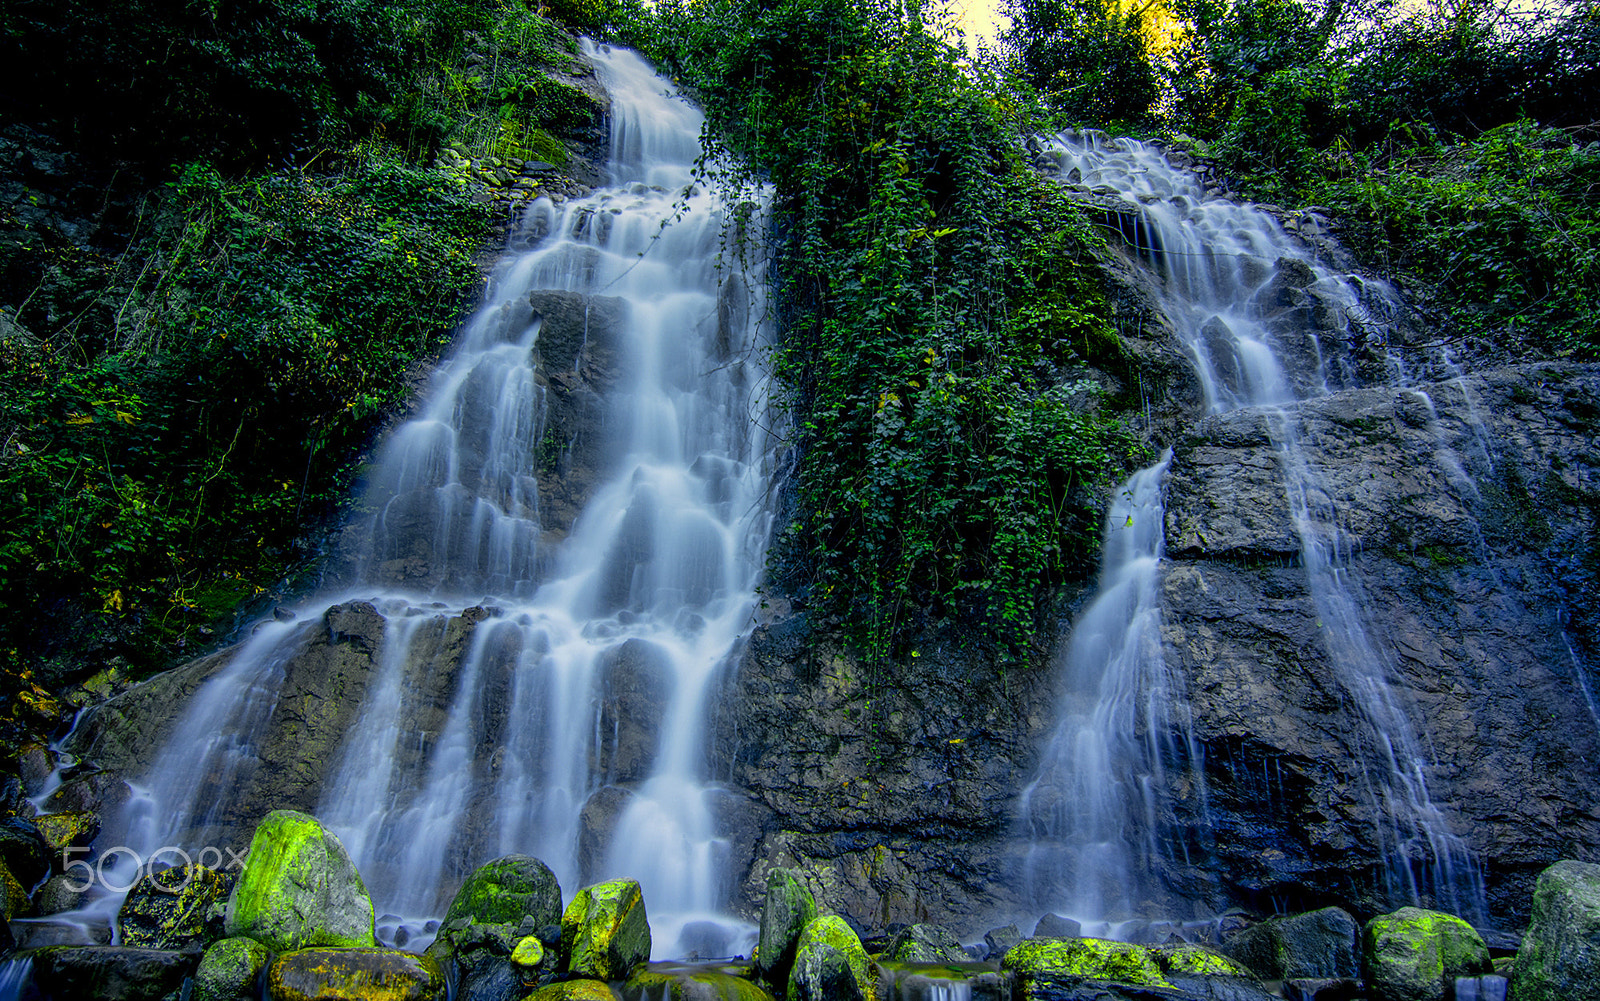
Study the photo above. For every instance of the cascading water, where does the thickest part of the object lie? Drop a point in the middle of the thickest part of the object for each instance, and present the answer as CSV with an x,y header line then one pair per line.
x,y
654,581
1121,784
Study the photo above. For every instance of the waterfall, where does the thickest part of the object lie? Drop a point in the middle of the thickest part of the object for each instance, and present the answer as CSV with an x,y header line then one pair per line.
x,y
490,721
1120,788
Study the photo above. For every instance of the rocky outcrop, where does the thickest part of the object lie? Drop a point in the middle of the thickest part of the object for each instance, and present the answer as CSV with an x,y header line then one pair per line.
x,y
1468,516
1467,512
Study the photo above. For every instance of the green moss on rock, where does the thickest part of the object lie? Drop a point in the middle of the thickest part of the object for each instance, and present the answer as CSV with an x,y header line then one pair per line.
x,y
299,889
369,974
528,953
683,982
830,964
788,908
229,970
605,932
1560,954
1089,958
171,909
574,990
1416,955
1197,961
507,890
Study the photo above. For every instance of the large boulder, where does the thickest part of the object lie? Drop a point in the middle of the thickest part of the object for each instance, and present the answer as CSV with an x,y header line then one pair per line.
x,y
1560,954
1043,967
173,908
111,973
23,851
1318,945
230,970
506,891
299,889
788,908
1202,973
924,943
830,964
1416,955
502,906
605,932
369,974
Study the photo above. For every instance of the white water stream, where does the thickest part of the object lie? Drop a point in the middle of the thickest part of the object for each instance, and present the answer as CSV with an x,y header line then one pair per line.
x,y
656,575
1238,290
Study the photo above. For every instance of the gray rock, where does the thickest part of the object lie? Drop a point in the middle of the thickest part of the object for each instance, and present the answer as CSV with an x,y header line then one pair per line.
x,y
510,890
111,973
923,943
1001,940
1321,944
787,909
1056,926
1560,954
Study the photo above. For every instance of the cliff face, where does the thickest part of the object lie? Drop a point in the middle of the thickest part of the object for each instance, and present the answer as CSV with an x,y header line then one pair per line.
x,y
1468,510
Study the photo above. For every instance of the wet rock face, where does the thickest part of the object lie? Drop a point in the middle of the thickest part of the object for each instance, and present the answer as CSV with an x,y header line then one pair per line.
x,y
1468,512
894,800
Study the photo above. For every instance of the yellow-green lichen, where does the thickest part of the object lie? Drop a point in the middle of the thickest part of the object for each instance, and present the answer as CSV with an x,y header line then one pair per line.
x,y
1197,961
1090,958
574,990
605,931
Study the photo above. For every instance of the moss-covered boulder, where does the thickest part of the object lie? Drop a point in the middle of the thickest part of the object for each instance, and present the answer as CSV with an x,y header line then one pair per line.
x,y
1416,955
921,943
369,974
1199,972
785,912
679,982
173,908
230,970
506,891
604,931
1560,954
1322,944
1041,967
574,990
830,964
299,889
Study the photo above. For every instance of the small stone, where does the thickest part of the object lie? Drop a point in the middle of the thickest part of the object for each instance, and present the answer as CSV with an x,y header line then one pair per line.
x,y
528,953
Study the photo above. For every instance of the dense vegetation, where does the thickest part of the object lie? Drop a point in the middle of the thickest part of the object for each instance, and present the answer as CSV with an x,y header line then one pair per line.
x,y
224,242
227,237
940,305
1457,145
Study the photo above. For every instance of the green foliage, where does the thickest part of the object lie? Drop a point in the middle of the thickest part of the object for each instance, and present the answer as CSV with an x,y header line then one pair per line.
x,y
935,292
265,325
1090,60
1501,233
